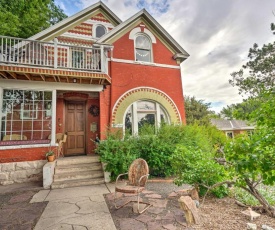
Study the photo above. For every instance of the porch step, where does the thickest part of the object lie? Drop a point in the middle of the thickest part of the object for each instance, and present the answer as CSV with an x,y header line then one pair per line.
x,y
77,183
77,168
89,174
77,160
77,171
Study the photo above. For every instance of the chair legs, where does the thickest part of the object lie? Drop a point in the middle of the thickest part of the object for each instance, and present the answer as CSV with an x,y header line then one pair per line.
x,y
148,205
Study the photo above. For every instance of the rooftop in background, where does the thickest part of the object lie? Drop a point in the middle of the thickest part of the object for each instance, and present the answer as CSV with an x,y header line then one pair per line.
x,y
227,125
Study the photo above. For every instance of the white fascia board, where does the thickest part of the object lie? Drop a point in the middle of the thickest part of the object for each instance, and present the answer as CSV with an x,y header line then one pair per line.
x,y
154,22
41,85
72,18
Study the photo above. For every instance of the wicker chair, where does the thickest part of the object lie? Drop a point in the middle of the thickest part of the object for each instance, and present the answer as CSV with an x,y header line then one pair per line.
x,y
137,178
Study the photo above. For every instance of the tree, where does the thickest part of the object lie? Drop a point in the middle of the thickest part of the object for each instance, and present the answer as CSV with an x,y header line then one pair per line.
x,y
20,18
197,111
241,111
261,70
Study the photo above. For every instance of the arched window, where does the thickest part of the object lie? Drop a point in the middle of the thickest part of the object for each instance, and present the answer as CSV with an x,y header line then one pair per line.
x,y
100,31
142,113
143,48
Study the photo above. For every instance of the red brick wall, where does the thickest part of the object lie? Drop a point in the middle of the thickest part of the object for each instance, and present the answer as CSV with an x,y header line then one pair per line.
x,y
128,76
104,99
124,49
24,154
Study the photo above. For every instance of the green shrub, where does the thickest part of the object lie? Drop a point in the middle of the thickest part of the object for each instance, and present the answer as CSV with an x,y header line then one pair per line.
x,y
196,167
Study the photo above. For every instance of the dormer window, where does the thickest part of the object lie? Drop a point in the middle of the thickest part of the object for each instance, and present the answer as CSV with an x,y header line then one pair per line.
x,y
100,31
143,48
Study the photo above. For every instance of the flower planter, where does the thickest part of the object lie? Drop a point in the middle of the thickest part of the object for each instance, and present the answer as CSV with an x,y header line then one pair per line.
x,y
51,158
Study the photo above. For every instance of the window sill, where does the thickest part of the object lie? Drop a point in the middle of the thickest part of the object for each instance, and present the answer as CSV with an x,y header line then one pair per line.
x,y
24,144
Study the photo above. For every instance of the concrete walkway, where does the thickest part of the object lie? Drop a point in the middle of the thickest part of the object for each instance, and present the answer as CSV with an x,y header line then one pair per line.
x,y
76,208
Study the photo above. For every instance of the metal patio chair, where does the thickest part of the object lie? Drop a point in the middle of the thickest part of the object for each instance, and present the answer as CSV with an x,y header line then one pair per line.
x,y
137,178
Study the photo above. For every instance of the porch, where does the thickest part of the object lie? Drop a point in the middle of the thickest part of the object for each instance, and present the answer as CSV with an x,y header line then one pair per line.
x,y
32,60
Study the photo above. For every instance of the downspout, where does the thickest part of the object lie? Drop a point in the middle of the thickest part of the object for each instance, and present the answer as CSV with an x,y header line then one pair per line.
x,y
111,94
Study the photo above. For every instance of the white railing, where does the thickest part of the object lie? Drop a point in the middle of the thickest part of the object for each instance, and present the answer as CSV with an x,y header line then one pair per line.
x,y
52,54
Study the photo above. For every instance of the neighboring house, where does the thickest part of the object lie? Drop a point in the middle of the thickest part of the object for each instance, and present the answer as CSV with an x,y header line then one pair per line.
x,y
232,127
88,73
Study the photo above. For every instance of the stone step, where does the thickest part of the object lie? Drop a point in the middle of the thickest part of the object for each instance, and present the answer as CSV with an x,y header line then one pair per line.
x,y
76,183
77,168
78,175
77,160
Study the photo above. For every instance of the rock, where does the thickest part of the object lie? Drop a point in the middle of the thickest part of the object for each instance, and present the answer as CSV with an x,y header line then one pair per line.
x,y
190,210
250,213
141,207
265,227
251,226
197,203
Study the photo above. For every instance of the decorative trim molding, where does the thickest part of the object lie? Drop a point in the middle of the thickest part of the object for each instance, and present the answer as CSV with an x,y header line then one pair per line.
x,y
143,93
143,63
136,30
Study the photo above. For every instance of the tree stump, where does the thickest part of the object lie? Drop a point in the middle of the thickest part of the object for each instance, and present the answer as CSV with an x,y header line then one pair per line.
x,y
190,210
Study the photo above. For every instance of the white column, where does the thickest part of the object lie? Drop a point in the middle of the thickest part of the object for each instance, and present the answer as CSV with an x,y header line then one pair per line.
x,y
1,105
54,98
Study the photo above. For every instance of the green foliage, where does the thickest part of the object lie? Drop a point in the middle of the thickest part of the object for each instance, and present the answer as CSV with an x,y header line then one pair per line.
x,y
193,166
247,199
197,111
20,18
241,111
161,151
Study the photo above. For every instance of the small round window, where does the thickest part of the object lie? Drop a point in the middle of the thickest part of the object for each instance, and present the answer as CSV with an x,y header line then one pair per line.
x,y
100,31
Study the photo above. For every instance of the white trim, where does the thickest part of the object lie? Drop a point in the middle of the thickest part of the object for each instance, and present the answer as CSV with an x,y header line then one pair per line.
x,y
145,87
137,30
94,30
133,33
79,16
143,63
54,99
5,83
26,146
79,36
148,32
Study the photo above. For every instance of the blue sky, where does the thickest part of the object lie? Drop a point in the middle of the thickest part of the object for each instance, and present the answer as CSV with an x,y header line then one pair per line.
x,y
216,33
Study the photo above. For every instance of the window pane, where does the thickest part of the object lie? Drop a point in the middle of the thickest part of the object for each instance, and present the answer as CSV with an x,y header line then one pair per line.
x,y
23,115
143,42
144,118
146,105
128,121
100,31
143,55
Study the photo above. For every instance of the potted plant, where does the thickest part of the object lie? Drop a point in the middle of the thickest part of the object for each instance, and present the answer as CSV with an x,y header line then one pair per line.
x,y
50,155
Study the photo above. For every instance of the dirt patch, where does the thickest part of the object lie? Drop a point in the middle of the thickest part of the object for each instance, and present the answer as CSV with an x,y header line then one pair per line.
x,y
215,214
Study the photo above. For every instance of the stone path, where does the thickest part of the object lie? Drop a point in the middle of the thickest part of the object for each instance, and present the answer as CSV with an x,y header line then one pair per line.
x,y
79,208
164,214
17,213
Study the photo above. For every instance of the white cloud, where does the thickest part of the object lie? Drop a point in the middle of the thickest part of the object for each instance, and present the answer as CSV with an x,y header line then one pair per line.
x,y
217,34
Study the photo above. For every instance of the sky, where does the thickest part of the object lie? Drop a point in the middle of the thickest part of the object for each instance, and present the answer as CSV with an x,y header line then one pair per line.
x,y
216,33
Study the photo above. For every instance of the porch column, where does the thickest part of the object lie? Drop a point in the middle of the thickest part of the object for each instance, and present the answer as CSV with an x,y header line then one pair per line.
x,y
54,98
1,105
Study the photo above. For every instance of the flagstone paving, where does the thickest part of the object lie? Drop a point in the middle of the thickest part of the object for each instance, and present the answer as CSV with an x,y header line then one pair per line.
x,y
165,214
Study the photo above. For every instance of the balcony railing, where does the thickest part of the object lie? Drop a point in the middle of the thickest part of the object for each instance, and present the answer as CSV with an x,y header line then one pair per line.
x,y
19,51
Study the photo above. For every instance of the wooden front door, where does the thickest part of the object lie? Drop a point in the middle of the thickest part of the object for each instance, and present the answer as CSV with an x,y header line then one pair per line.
x,y
75,128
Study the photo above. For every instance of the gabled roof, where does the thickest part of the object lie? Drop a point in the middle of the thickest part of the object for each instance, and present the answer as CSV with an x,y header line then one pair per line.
x,y
149,19
55,29
230,125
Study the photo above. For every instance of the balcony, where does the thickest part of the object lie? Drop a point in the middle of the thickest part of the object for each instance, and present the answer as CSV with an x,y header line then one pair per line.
x,y
25,59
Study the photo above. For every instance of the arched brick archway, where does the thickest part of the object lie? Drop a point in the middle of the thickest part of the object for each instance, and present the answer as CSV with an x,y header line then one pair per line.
x,y
144,93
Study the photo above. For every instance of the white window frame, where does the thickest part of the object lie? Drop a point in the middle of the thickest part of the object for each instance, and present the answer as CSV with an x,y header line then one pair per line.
x,y
94,30
151,47
135,112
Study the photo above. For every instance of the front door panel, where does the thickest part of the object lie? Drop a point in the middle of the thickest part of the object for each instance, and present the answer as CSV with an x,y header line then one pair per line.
x,y
75,127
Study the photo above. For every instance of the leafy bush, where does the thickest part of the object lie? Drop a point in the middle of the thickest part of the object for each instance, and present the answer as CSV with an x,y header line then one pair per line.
x,y
195,167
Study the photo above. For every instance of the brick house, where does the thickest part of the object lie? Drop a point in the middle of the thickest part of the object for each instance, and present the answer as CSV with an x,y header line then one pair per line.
x,y
88,73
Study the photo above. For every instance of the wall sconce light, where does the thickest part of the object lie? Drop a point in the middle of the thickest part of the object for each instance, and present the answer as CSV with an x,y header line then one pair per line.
x,y
104,87
74,80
